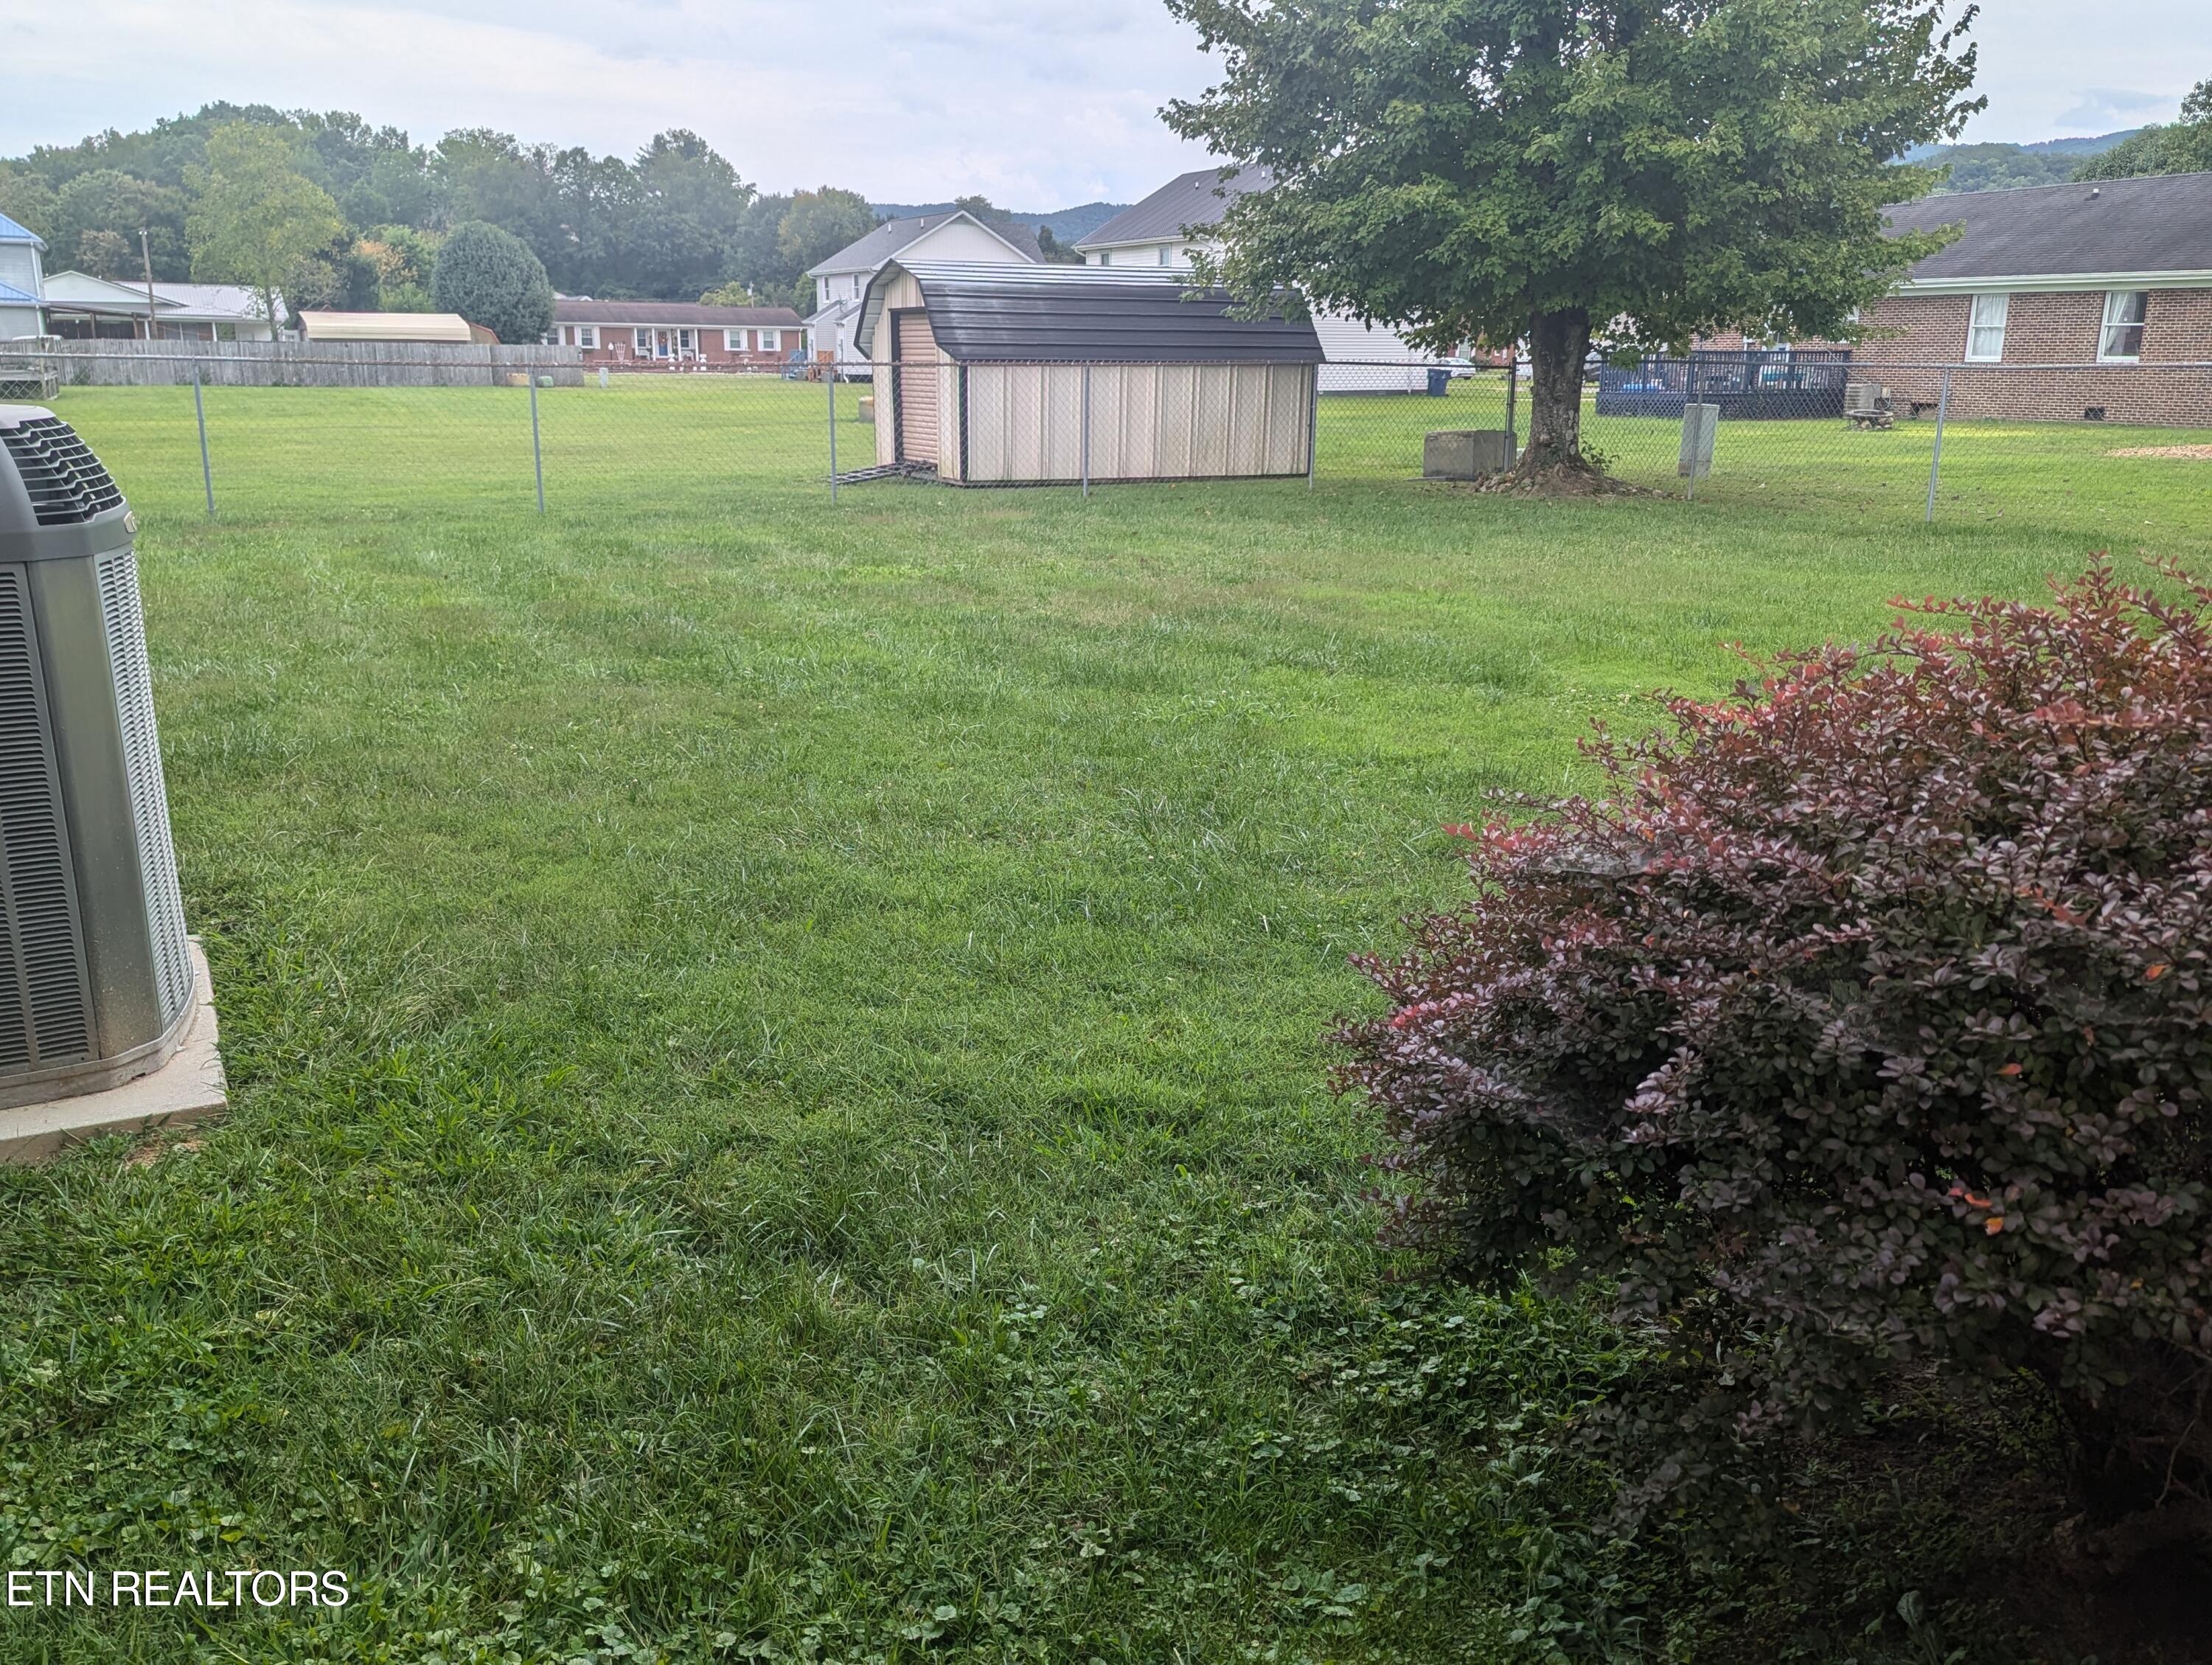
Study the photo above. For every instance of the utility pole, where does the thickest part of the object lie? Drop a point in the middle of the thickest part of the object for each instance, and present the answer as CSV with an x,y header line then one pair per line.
x,y
146,255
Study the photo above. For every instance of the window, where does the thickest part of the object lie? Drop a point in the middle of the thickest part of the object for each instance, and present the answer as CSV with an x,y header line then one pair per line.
x,y
1985,328
771,341
687,344
642,341
1105,256
2125,312
587,337
1167,255
733,340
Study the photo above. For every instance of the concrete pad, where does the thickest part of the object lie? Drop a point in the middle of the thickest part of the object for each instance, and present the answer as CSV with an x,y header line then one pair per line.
x,y
188,1088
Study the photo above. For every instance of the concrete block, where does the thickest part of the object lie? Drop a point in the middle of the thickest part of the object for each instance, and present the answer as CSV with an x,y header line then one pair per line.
x,y
1700,424
1466,454
187,1089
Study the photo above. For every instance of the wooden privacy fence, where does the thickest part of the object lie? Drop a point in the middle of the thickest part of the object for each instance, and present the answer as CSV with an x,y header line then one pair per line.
x,y
302,364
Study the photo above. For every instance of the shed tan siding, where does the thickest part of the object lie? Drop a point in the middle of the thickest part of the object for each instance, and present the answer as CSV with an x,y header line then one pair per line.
x,y
1148,421
903,294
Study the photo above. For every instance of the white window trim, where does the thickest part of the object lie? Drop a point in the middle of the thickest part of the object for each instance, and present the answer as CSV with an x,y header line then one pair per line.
x,y
770,341
1976,325
640,341
733,340
2110,324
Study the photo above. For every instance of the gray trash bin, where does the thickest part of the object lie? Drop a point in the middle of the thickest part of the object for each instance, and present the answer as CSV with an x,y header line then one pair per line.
x,y
97,984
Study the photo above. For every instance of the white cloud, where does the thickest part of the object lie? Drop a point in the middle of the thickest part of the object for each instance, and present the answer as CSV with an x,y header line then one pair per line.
x,y
904,99
2054,69
1038,103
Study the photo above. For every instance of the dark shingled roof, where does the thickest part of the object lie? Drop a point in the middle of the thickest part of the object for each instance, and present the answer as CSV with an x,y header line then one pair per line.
x,y
666,312
1193,201
1087,315
889,238
2161,223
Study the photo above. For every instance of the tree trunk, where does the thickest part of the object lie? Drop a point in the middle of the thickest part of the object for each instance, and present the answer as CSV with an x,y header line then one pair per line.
x,y
1557,344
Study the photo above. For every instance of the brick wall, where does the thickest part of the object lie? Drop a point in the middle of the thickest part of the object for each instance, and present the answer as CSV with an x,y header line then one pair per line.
x,y
615,350
1928,330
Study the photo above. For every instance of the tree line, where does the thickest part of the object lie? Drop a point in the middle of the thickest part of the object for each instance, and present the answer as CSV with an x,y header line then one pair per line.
x,y
334,212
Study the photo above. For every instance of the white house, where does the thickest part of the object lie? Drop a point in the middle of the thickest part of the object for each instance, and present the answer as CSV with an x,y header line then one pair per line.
x,y
840,281
1162,230
83,307
22,281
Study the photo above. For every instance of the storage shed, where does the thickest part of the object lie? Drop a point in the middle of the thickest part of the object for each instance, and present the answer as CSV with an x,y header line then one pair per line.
x,y
1029,375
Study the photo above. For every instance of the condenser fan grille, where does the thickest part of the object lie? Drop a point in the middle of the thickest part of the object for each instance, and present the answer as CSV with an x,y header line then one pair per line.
x,y
44,1013
66,481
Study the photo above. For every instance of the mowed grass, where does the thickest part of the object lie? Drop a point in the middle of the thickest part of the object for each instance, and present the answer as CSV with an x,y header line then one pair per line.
x,y
778,1053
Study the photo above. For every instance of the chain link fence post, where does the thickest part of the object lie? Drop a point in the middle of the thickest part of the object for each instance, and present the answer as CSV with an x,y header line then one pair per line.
x,y
537,448
1936,460
199,414
830,375
1086,432
1512,406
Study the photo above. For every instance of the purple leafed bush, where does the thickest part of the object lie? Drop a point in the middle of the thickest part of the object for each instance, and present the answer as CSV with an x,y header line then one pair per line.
x,y
1858,1035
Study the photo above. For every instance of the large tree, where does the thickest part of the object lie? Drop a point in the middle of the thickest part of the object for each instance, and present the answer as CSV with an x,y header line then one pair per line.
x,y
691,204
1638,171
97,217
256,219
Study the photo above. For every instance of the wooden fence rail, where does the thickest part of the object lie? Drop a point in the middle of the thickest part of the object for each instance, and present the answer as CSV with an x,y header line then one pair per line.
x,y
297,364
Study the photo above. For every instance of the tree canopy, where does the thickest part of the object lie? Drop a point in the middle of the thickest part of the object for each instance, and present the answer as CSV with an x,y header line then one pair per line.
x,y
1561,169
256,219
673,220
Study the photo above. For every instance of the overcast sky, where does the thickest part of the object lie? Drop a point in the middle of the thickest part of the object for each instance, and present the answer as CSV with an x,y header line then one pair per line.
x,y
1039,104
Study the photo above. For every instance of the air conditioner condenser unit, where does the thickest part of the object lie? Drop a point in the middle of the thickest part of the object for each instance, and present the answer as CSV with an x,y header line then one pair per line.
x,y
105,1019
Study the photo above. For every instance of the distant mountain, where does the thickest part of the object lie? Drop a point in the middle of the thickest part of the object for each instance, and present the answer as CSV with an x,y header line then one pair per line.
x,y
2095,147
1067,224
2005,167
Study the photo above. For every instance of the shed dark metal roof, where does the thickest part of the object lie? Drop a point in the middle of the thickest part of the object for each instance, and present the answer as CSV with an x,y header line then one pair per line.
x,y
2162,223
666,312
1086,315
1193,201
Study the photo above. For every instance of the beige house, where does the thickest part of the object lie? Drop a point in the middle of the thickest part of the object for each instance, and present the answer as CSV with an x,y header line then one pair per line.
x,y
991,375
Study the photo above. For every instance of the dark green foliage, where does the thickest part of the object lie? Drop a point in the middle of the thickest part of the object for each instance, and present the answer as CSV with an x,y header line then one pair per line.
x,y
1861,1034
95,223
2181,146
674,222
1501,169
491,277
1056,253
809,228
689,205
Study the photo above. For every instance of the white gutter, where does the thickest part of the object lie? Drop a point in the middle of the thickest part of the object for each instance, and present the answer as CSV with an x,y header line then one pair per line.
x,y
2055,283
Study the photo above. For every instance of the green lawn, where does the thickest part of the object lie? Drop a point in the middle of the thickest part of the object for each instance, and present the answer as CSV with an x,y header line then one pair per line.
x,y
778,1053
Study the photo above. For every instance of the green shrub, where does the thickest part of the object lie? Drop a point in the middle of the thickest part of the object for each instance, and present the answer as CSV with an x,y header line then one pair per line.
x,y
491,277
1860,1036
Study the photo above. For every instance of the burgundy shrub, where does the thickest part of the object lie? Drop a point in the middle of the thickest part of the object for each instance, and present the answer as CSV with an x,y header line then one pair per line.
x,y
1861,1032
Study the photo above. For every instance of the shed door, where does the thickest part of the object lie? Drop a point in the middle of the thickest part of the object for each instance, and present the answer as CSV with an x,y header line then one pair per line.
x,y
916,348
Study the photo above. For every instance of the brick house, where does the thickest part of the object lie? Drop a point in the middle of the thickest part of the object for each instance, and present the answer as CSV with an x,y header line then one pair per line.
x,y
2088,294
676,335
2056,303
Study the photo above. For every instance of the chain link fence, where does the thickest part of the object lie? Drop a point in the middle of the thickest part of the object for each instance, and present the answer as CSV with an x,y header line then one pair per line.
x,y
2107,452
